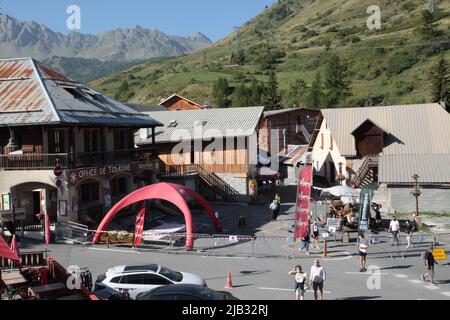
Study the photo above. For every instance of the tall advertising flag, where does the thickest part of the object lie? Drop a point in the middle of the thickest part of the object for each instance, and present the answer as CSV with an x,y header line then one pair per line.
x,y
365,203
303,202
47,229
140,221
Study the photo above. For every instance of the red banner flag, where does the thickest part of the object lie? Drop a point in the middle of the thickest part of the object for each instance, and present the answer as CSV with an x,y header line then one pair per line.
x,y
303,202
140,220
14,247
47,229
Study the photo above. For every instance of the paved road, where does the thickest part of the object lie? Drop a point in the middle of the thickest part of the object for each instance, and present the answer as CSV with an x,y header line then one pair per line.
x,y
267,279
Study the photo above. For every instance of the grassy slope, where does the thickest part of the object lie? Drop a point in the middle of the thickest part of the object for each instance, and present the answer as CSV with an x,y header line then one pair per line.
x,y
194,74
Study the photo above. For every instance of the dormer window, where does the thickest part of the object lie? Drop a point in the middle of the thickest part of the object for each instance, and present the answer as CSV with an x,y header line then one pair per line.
x,y
369,138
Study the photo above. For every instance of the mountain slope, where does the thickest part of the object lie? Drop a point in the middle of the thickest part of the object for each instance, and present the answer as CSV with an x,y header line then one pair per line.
x,y
390,65
32,39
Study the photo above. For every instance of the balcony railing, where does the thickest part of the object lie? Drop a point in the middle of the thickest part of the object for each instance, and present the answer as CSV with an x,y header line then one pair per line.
x,y
33,161
19,162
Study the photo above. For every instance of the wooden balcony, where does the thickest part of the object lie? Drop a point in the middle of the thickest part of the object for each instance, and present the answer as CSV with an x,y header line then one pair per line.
x,y
21,162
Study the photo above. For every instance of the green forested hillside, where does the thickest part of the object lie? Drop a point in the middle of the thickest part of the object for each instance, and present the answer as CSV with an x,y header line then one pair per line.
x,y
296,39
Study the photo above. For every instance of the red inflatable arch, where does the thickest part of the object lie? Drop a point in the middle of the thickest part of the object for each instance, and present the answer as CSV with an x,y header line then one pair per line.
x,y
173,193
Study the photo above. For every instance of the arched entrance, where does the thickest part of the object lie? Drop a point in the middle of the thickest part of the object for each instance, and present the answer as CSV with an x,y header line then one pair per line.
x,y
173,193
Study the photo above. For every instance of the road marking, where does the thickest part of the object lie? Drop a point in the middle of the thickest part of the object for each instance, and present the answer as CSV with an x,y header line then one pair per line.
x,y
349,256
367,273
401,276
282,289
115,250
432,288
416,281
242,258
447,294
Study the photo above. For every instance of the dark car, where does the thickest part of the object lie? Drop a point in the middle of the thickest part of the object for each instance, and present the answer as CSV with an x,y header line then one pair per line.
x,y
185,292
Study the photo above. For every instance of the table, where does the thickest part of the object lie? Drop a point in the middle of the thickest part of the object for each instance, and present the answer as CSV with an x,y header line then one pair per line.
x,y
13,278
47,290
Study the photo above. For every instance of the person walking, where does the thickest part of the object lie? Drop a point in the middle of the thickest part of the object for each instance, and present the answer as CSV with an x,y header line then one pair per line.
x,y
275,210
304,245
363,248
410,229
430,262
317,278
300,282
394,229
315,235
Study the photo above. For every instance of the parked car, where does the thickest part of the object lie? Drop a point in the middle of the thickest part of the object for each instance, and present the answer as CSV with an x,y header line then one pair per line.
x,y
139,279
185,292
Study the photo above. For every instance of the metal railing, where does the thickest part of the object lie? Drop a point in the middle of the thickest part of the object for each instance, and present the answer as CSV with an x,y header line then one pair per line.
x,y
16,162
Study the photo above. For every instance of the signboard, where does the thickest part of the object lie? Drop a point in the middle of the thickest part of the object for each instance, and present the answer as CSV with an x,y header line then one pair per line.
x,y
233,239
58,170
139,229
303,202
252,187
439,254
333,223
364,209
75,176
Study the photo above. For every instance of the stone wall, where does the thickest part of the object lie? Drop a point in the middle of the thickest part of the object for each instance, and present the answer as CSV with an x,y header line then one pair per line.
x,y
433,199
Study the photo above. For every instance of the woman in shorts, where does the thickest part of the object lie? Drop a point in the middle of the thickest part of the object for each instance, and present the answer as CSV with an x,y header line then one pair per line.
x,y
363,247
300,282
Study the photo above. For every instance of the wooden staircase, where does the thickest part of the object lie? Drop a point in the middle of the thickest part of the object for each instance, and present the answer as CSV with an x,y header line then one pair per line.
x,y
212,180
315,134
368,172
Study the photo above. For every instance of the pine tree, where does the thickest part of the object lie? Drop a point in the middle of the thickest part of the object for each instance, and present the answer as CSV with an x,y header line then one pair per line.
x,y
315,96
256,93
336,85
440,82
220,92
272,98
240,97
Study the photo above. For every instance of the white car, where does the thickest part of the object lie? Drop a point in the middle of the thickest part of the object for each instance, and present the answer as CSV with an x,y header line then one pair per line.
x,y
139,279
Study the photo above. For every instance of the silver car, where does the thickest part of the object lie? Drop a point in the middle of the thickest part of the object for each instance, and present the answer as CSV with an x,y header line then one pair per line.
x,y
133,280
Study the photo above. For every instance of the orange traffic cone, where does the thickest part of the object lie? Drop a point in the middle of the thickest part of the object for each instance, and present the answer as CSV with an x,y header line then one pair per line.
x,y
229,282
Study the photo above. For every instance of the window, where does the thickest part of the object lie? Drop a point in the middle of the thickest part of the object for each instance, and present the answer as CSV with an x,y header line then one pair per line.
x,y
132,279
91,140
121,139
116,280
89,192
56,141
119,187
154,279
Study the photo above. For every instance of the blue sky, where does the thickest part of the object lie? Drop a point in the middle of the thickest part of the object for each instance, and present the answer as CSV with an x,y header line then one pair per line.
x,y
214,18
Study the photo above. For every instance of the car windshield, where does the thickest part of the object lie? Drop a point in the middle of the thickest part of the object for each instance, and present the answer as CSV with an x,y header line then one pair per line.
x,y
171,275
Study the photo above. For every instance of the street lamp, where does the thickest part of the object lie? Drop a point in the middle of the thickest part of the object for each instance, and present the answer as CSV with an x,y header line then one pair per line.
x,y
416,192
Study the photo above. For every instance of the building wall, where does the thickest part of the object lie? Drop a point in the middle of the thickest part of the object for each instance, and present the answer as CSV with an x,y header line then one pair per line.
x,y
180,104
290,121
433,199
326,153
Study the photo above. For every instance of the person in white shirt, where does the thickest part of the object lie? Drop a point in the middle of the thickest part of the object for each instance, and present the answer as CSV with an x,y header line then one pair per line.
x,y
363,247
317,278
394,228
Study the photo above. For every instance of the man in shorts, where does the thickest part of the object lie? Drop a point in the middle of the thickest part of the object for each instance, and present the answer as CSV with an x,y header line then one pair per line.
x,y
317,278
394,229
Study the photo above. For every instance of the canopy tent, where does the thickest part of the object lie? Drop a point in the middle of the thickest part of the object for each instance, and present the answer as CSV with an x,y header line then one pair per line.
x,y
262,160
341,191
173,193
267,172
5,251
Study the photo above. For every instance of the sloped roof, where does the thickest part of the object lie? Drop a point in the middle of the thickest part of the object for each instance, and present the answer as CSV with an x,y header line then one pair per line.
x,y
177,96
294,154
146,108
413,129
432,169
214,123
283,111
31,93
